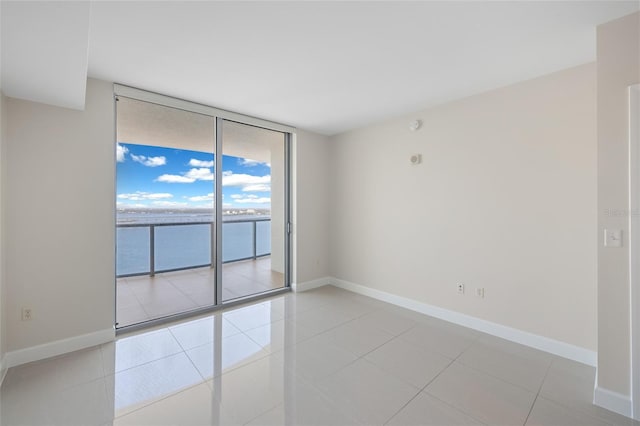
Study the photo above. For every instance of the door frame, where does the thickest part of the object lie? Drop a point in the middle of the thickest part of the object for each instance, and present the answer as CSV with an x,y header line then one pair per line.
x,y
634,245
218,116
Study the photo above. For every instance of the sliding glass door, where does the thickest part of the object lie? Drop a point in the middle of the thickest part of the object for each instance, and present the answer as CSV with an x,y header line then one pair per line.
x,y
194,229
254,199
165,211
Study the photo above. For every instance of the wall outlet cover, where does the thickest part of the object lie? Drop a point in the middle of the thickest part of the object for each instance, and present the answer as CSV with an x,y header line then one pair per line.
x,y
613,238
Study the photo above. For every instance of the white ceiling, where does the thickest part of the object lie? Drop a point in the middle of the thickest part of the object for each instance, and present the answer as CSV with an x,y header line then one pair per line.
x,y
321,66
44,51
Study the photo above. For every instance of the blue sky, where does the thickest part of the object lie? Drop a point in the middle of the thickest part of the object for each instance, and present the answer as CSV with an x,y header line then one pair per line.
x,y
149,176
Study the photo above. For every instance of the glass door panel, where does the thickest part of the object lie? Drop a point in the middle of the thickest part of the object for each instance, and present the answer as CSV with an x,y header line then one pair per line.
x,y
253,209
165,211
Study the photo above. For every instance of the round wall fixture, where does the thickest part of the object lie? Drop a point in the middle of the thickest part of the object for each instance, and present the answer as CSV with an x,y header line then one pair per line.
x,y
415,125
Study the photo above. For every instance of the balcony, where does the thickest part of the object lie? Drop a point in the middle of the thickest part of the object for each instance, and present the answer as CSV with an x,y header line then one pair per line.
x,y
166,268
150,248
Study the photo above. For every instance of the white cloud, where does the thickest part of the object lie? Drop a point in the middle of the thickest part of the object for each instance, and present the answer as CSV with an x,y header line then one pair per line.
x,y
191,176
245,181
139,196
174,179
247,162
200,163
257,188
149,161
252,199
200,174
121,152
208,197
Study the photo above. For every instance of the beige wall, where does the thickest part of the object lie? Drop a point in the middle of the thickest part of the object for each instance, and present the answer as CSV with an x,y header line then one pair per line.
x,y
59,205
618,67
59,211
3,322
2,269
505,200
310,190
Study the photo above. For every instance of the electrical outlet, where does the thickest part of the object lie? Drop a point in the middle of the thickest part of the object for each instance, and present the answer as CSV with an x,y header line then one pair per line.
x,y
460,288
613,238
480,292
26,314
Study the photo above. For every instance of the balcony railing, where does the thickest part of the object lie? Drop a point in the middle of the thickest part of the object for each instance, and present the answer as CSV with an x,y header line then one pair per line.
x,y
150,248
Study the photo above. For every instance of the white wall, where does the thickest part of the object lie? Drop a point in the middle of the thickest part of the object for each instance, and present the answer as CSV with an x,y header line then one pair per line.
x,y
59,211
310,189
618,67
505,200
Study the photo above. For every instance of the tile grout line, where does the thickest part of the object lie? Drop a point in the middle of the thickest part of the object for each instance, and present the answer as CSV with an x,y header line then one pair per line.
x,y
419,389
367,353
402,408
456,408
478,370
357,358
147,362
159,400
424,389
572,409
538,393
184,351
203,381
153,360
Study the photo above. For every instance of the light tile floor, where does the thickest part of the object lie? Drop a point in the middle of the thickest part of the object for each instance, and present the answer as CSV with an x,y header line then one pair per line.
x,y
325,357
142,298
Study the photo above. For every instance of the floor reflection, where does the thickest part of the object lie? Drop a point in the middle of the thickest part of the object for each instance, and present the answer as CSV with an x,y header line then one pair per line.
x,y
152,365
324,357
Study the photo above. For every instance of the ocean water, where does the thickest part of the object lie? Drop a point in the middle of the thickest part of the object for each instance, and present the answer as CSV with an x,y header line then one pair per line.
x,y
186,244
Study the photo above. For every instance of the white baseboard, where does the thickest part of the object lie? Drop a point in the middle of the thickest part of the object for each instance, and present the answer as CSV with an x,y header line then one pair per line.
x,y
542,343
612,401
58,347
308,285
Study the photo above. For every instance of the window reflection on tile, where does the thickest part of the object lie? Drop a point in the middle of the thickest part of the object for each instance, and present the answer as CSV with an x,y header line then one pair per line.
x,y
144,384
222,355
321,357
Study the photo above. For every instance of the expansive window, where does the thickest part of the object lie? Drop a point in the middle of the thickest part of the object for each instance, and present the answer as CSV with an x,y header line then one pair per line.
x,y
194,229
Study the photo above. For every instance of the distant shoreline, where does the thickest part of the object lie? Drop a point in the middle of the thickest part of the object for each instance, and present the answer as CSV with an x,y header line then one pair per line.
x,y
226,210
163,215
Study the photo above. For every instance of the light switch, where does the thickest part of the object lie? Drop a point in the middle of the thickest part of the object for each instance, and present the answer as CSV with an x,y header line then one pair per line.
x,y
613,238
